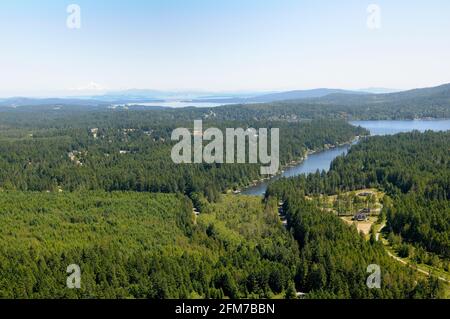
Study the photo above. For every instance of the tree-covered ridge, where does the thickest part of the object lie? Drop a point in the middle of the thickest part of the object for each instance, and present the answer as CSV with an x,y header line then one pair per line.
x,y
294,111
420,103
431,102
142,246
413,168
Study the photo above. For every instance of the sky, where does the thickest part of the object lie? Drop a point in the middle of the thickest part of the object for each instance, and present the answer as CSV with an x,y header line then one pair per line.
x,y
221,45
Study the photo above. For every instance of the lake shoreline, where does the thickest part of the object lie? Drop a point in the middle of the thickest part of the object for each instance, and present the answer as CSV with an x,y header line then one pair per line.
x,y
295,163
375,127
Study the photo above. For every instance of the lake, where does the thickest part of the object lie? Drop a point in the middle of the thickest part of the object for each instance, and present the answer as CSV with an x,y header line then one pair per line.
x,y
179,104
394,127
322,160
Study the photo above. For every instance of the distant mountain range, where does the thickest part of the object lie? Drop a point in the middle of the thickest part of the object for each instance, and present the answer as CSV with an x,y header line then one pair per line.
x,y
281,96
378,90
152,96
440,94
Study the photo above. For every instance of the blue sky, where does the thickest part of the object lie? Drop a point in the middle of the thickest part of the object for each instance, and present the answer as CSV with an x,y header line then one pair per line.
x,y
221,45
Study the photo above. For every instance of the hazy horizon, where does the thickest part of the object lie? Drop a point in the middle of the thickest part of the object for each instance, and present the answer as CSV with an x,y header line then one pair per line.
x,y
195,93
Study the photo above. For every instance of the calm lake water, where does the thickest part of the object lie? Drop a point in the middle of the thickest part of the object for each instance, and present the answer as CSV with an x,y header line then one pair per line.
x,y
322,160
394,127
180,104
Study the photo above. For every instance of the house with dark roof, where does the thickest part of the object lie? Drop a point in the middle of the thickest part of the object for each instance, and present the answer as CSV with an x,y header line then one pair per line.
x,y
361,217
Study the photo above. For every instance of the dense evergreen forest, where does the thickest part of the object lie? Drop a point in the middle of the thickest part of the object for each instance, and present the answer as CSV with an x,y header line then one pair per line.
x,y
334,259
130,151
412,168
99,189
294,111
142,246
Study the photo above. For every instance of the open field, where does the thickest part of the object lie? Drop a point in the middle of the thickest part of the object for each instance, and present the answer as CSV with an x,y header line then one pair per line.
x,y
364,226
347,205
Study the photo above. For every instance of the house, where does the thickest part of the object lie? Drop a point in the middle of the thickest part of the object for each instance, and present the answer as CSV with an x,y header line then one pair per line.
x,y
361,217
365,194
